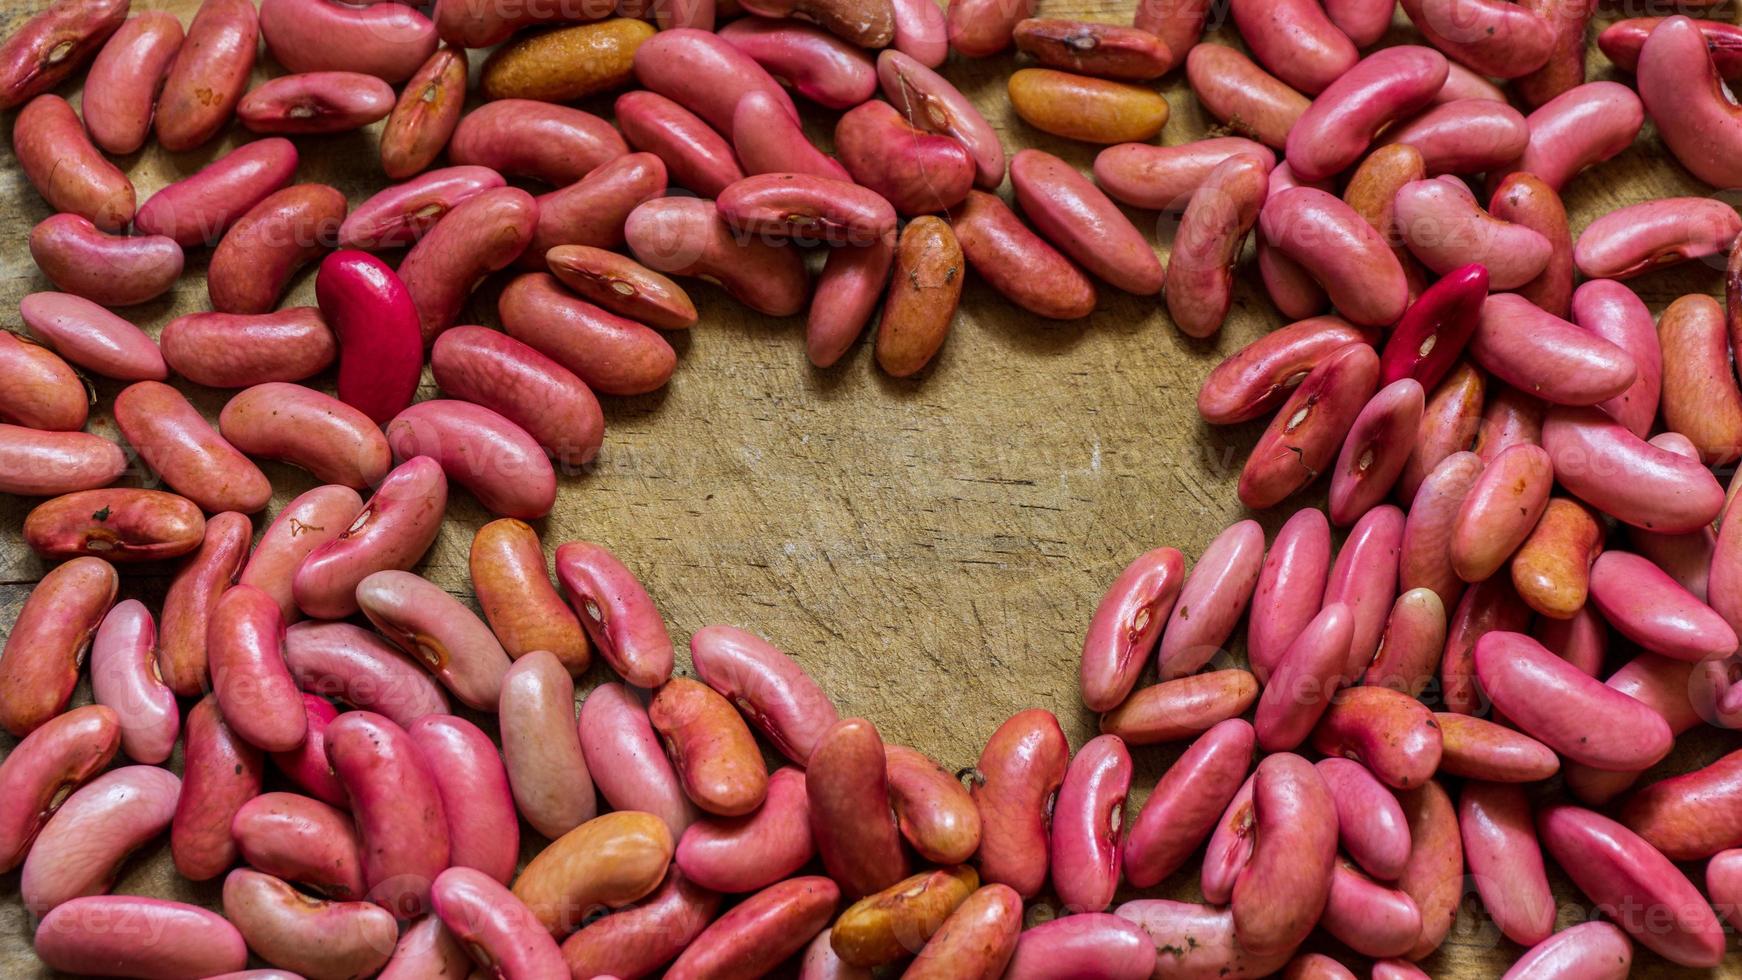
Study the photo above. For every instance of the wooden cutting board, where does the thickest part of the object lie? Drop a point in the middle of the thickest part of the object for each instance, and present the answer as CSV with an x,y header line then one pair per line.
x,y
930,549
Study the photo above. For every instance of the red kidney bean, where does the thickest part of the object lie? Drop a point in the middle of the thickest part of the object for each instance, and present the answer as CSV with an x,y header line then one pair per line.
x,y
932,810
1650,608
1229,848
332,440
1088,825
852,283
1212,232
626,760
209,75
426,948
1303,439
1102,50
1182,708
712,750
1642,237
1523,199
1613,312
192,597
1364,577
53,44
71,175
1259,376
697,157
439,631
928,172
1302,682
1249,100
428,111
1334,133
760,932
1377,447
48,641
687,237
39,390
1296,40
821,962
928,101
978,28
221,772
802,206
495,459
1688,817
1370,823
541,746
513,587
1505,860
618,613
253,265
399,810
1591,949
1185,804
483,829
641,938
393,530
1290,589
238,350
1019,771
82,937
1618,870
1488,606
1464,136
92,337
304,524
495,926
593,210
1280,892
885,927
81,259
1500,510
1435,329
1126,626
1479,749
1583,720
1409,649
1195,941
818,65
301,840
200,208
1338,249
255,691
848,789
1165,177
768,139
403,213
704,73
1367,917
80,849
1450,422
1389,732
124,677
118,524
1212,600
1605,465
519,137
1722,884
750,852
363,670
1017,262
622,285
46,767
1700,397
316,102
1113,947
976,941
321,938
386,40
1679,85
768,687
43,464
479,236
1080,220
1434,875
177,442
376,321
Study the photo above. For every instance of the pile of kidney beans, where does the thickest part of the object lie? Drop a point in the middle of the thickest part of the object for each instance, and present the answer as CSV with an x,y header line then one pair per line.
x,y
1522,472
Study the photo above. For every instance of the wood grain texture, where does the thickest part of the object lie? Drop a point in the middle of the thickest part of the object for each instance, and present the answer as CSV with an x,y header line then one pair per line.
x,y
931,550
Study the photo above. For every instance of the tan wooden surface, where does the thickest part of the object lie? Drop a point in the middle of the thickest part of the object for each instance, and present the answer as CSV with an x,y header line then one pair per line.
x,y
930,550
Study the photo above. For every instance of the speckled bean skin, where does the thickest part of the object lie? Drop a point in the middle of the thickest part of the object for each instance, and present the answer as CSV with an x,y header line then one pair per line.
x,y
1616,868
209,75
1687,817
976,941
1500,511
1185,804
1590,950
1296,40
1102,50
45,767
713,751
71,175
47,643
117,524
1478,749
393,530
424,118
220,773
1216,953
638,939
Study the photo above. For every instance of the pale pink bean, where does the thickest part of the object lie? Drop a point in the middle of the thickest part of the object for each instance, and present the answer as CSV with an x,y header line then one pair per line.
x,y
1548,357
1579,129
1294,39
401,214
398,808
1335,131
1088,825
852,283
1447,230
45,767
1368,917
303,841
1212,600
1587,951
427,949
314,937
80,850
1125,626
114,270
1684,96
1164,178
477,448
483,829
818,65
618,613
92,337
772,690
1364,578
929,102
1505,860
749,853
256,693
1648,607
1376,449
1339,250
541,745
1649,896
1075,216
697,157
451,642
626,760
1559,705
83,937
1370,824
1500,510
1608,467
1097,945
1291,588
307,522
1409,649
1467,136
921,31
1650,235
337,443
1462,83
1198,942
1613,312
393,530
767,139
1301,685
704,73
534,392
1185,804
198,209
125,678
498,929
122,85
